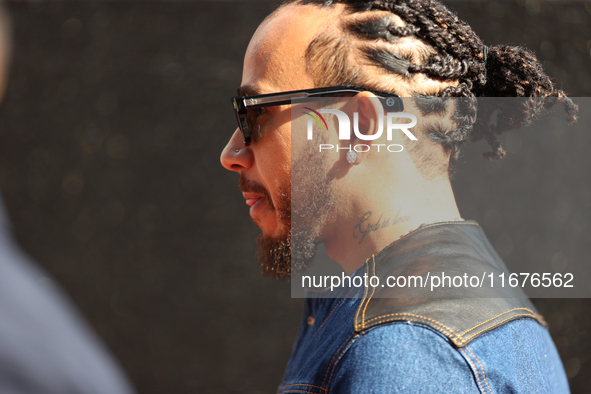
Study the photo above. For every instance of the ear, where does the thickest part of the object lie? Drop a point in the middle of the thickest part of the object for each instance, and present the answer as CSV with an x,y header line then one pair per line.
x,y
370,111
370,116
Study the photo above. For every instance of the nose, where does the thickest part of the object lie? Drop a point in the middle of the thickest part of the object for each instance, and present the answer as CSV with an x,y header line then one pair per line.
x,y
236,156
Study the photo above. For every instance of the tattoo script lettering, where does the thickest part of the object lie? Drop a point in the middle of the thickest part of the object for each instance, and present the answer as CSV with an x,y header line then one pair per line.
x,y
365,226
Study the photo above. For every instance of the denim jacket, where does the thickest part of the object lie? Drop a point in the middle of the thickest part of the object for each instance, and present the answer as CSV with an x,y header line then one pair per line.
x,y
350,342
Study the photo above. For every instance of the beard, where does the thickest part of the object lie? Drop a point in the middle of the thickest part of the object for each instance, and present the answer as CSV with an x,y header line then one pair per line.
x,y
304,217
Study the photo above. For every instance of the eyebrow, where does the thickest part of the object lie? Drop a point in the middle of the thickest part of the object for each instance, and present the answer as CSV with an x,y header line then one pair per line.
x,y
248,90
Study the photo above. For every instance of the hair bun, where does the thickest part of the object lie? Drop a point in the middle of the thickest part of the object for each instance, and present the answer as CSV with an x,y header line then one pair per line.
x,y
513,71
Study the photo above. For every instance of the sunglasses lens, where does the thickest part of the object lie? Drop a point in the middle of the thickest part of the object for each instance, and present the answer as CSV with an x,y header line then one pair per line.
x,y
243,125
252,122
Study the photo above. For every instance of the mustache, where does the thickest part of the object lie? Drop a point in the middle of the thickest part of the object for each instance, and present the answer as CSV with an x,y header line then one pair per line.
x,y
246,185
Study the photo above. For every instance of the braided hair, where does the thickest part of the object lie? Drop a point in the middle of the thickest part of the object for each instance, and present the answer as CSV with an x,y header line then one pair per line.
x,y
449,51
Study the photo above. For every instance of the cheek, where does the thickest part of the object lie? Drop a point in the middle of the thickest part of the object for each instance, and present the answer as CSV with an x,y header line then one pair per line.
x,y
273,160
280,167
299,141
279,143
306,147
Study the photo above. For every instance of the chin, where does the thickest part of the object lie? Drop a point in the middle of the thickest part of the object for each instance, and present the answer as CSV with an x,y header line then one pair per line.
x,y
275,256
280,232
271,231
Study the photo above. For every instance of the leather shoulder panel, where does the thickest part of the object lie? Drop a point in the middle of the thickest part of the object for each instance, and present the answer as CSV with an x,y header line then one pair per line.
x,y
451,249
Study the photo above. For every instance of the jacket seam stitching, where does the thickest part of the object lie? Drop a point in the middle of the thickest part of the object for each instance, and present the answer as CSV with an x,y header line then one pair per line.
x,y
373,267
328,317
303,384
495,325
481,367
458,339
362,301
499,315
331,312
282,388
339,359
334,356
449,330
474,369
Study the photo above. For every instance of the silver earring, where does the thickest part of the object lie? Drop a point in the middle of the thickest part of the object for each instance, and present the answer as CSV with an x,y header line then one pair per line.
x,y
351,157
237,151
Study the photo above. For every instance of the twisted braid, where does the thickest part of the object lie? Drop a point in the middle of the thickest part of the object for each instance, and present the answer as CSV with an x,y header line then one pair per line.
x,y
453,52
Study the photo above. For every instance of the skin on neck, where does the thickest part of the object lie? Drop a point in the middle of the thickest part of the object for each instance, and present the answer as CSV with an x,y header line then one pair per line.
x,y
419,204
392,186
383,195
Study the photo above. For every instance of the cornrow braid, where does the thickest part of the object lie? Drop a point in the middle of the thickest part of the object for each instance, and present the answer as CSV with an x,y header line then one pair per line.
x,y
453,52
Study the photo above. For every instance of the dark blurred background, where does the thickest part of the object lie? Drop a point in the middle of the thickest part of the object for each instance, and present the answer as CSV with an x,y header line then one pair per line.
x,y
110,134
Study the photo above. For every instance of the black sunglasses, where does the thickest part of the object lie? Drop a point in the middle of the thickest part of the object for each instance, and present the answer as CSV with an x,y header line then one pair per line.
x,y
246,106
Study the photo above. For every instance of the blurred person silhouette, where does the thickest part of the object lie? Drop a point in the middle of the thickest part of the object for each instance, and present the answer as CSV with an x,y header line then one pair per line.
x,y
377,212
45,347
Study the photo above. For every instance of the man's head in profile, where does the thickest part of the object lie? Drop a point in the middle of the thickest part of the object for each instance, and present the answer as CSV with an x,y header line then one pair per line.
x,y
358,203
384,213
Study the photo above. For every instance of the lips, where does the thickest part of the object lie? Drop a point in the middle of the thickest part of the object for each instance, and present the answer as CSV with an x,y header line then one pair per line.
x,y
256,197
253,200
